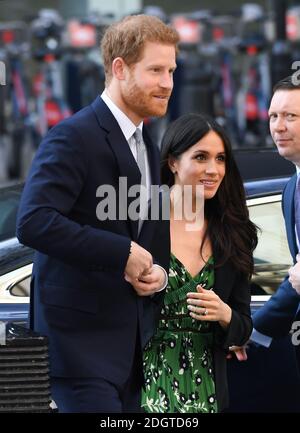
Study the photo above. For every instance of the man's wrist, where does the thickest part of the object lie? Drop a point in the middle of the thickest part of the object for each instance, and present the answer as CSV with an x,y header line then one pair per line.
x,y
259,338
166,278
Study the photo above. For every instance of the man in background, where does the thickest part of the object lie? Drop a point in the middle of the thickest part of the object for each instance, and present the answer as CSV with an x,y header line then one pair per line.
x,y
276,317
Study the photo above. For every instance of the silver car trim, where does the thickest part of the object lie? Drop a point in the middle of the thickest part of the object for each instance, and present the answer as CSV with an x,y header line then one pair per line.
x,y
9,280
264,200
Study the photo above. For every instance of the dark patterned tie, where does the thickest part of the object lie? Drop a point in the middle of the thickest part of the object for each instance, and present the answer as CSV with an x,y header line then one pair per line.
x,y
141,162
297,207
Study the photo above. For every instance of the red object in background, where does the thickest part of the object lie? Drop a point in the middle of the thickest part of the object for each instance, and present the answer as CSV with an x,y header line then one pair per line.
x,y
189,31
8,36
53,113
292,21
37,84
252,50
20,94
251,107
218,34
82,35
49,58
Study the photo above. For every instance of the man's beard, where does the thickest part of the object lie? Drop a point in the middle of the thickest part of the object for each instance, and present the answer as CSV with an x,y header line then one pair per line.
x,y
142,104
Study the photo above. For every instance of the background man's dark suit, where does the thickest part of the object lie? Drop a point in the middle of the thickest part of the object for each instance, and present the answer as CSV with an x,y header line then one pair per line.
x,y
276,316
80,297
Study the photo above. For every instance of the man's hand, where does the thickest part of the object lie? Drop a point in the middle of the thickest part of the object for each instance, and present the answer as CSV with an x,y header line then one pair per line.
x,y
239,351
139,262
294,273
150,282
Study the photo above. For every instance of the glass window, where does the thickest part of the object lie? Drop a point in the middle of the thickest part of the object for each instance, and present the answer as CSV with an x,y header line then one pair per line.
x,y
272,256
9,201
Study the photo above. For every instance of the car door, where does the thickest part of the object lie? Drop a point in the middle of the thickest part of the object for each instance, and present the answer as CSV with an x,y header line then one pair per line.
x,y
268,381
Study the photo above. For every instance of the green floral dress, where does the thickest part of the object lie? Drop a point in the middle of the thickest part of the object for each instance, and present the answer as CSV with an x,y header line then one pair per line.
x,y
178,363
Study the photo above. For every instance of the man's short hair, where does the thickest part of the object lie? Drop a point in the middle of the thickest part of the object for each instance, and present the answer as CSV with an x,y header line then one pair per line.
x,y
287,83
126,39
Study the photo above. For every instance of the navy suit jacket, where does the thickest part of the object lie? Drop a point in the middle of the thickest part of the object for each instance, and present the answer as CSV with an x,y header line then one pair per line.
x,y
275,318
80,298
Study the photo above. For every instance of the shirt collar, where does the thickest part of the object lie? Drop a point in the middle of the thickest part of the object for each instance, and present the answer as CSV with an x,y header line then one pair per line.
x,y
127,126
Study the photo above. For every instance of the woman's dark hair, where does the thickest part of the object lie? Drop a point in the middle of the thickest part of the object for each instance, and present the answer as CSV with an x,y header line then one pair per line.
x,y
233,235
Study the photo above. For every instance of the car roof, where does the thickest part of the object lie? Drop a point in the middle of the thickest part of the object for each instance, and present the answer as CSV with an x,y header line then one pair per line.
x,y
262,187
262,163
14,255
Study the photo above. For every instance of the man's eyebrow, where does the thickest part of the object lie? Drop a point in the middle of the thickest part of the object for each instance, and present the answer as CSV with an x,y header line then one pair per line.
x,y
292,111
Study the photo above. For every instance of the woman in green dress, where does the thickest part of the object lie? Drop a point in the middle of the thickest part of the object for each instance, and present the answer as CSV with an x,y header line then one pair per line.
x,y
207,300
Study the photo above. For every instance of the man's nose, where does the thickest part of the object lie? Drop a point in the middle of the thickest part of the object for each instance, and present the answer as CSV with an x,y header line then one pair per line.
x,y
279,124
166,80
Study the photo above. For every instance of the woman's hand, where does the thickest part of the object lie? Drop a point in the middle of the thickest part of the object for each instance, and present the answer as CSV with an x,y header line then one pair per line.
x,y
205,305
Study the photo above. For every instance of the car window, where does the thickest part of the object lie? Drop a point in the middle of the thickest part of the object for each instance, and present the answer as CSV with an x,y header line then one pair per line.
x,y
9,202
271,256
21,288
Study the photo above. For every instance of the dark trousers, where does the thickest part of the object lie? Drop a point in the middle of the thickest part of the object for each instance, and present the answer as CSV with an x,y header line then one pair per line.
x,y
97,395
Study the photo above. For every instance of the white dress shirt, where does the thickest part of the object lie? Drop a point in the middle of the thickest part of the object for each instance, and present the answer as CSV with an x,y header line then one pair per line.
x,y
128,128
298,180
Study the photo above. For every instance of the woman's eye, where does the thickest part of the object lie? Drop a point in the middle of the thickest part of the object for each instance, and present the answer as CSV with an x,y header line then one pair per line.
x,y
200,157
221,158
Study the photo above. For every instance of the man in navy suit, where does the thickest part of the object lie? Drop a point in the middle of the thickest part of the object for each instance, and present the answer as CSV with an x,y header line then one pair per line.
x,y
276,317
96,281
294,273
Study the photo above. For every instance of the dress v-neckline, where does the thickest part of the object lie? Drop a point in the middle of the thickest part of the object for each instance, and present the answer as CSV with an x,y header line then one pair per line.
x,y
186,270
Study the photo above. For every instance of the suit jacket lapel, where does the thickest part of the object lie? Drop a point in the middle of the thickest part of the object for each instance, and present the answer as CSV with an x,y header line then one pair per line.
x,y
119,145
153,157
289,214
146,234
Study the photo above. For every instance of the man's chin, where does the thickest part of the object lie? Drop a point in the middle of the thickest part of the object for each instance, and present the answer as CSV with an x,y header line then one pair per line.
x,y
158,112
286,155
283,151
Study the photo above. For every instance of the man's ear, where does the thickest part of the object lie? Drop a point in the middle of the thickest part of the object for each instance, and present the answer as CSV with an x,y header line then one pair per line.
x,y
118,68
